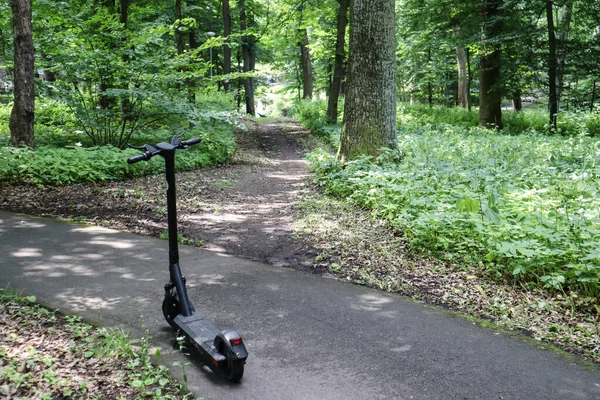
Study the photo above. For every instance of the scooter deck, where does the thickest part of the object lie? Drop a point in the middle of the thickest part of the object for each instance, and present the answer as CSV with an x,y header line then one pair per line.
x,y
199,329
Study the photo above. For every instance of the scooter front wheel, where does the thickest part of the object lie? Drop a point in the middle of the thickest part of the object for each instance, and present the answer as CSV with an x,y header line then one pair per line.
x,y
170,309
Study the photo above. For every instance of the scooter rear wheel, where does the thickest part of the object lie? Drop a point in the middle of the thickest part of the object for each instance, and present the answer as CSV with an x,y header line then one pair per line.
x,y
170,309
234,368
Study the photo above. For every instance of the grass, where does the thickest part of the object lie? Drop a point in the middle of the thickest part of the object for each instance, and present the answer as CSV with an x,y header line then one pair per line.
x,y
48,355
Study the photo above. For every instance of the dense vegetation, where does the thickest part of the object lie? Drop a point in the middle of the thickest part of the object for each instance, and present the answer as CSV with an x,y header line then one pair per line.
x,y
523,206
65,155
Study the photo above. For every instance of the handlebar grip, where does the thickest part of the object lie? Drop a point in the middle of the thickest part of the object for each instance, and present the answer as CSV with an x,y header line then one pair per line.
x,y
191,141
142,157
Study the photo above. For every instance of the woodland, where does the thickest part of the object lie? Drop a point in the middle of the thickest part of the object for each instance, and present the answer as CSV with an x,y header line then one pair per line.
x,y
471,128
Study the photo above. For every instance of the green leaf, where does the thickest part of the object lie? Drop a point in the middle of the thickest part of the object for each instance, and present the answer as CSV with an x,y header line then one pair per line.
x,y
519,270
137,383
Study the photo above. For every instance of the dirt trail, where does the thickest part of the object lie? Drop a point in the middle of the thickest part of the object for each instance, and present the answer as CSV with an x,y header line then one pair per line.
x,y
248,208
244,209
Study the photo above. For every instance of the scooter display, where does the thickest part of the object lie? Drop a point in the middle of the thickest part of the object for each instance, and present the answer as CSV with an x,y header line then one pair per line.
x,y
222,351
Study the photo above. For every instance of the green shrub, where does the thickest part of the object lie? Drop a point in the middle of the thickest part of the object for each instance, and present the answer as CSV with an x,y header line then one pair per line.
x,y
313,116
79,164
525,207
515,123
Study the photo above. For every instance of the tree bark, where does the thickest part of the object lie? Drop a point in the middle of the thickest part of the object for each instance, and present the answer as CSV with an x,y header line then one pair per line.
x,y
552,95
429,83
248,59
226,48
463,73
370,107
463,78
178,33
22,114
307,78
125,102
562,38
490,93
517,100
593,96
338,69
469,78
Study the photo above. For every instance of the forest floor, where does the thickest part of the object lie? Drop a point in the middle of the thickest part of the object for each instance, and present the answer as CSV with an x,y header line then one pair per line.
x,y
263,206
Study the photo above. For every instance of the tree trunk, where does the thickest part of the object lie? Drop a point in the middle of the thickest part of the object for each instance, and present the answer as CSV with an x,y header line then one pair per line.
x,y
516,100
470,78
22,114
463,79
552,97
125,102
47,75
463,74
307,79
226,48
178,33
338,69
490,94
562,38
429,84
370,107
248,59
124,12
593,96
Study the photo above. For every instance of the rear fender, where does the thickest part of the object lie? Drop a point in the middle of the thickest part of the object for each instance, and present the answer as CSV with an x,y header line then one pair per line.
x,y
225,339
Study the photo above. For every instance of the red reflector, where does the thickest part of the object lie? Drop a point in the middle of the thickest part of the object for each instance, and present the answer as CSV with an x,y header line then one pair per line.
x,y
236,342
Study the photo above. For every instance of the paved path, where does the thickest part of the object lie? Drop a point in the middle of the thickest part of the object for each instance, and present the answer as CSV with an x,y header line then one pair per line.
x,y
308,337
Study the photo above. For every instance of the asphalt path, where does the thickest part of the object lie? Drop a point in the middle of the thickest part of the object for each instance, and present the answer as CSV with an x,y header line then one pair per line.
x,y
308,337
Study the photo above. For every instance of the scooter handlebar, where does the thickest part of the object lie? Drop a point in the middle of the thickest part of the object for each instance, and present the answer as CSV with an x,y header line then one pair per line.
x,y
191,141
151,151
145,156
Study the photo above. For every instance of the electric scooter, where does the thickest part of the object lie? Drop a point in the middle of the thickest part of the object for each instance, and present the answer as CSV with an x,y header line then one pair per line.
x,y
222,351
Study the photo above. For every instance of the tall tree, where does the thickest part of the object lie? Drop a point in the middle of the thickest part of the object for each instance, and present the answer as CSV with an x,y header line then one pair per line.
x,y
552,95
490,92
338,66
226,48
248,50
123,19
22,114
307,79
370,107
562,38
464,83
178,28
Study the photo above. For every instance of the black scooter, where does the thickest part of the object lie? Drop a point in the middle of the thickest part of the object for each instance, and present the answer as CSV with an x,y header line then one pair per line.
x,y
221,350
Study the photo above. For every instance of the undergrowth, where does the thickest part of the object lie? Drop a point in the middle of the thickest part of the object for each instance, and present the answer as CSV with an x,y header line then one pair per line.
x,y
525,207
524,122
48,355
64,155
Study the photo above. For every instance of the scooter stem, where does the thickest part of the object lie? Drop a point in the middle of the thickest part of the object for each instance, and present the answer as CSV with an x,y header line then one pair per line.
x,y
168,153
